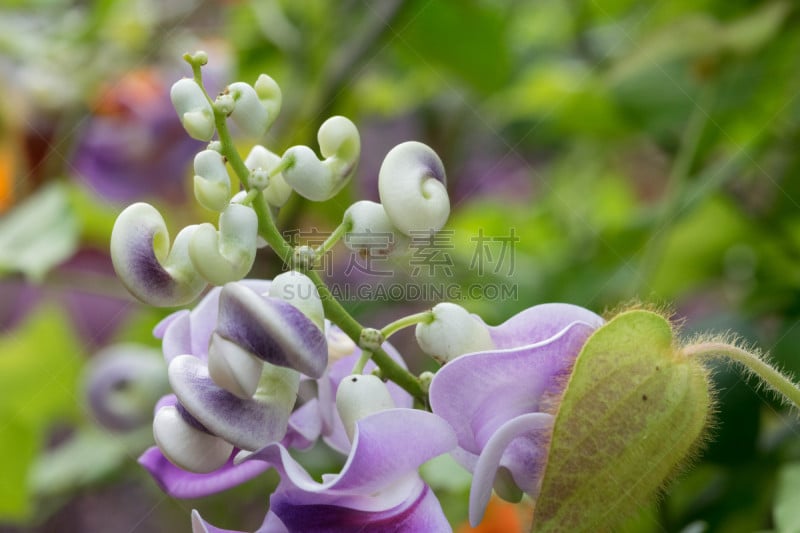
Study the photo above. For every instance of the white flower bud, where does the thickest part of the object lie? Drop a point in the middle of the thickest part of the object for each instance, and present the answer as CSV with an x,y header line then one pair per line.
x,y
371,230
340,145
278,191
224,104
233,368
193,109
188,447
339,344
256,107
359,396
145,263
228,254
411,185
212,185
300,291
453,332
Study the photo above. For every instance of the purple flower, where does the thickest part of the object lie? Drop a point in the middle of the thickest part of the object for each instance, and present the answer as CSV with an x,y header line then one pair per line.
x,y
378,489
502,402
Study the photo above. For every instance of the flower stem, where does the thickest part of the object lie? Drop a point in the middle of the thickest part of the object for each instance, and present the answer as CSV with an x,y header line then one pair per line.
x,y
406,321
769,375
333,238
366,355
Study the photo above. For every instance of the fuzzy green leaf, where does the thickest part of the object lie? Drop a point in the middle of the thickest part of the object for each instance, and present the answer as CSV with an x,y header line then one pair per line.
x,y
633,412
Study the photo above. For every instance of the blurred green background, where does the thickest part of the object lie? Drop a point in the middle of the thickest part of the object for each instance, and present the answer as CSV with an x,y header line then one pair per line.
x,y
637,151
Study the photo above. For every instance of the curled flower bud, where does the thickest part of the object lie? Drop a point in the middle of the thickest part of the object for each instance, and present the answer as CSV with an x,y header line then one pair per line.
x,y
453,332
232,368
255,107
228,254
187,446
277,191
411,185
359,396
193,109
144,262
340,145
371,229
212,185
300,291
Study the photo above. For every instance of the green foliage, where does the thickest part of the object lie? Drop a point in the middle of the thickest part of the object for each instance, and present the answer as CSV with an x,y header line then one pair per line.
x,y
39,367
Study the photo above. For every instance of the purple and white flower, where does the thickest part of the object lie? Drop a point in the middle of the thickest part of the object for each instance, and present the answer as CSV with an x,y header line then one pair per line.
x,y
502,402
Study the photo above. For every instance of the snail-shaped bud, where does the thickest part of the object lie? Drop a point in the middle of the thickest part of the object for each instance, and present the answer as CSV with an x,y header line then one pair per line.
x,y
233,368
228,254
277,191
300,291
359,396
340,145
452,332
371,229
187,446
212,185
411,185
144,262
255,107
193,108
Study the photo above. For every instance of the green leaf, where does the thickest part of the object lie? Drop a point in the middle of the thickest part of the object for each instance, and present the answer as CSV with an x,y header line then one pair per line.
x,y
39,366
632,413
39,234
787,500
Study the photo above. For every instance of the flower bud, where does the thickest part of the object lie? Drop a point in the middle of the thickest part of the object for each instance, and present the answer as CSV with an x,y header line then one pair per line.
x,y
144,262
340,145
187,446
228,254
278,191
212,185
233,368
371,229
411,185
255,107
453,332
300,291
359,396
193,108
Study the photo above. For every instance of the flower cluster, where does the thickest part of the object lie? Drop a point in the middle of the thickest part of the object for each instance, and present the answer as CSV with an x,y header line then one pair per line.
x,y
259,369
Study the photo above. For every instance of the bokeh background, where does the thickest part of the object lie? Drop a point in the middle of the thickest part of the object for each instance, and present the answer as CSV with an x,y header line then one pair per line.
x,y
629,151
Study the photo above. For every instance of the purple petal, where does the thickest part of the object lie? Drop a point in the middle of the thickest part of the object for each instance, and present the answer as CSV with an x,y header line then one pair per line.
x,y
540,322
176,335
527,428
272,329
420,511
248,424
387,446
305,426
179,483
479,392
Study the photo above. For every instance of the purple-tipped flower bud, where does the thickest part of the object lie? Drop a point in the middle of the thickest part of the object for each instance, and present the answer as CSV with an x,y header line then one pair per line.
x,y
187,446
340,145
228,254
193,108
212,185
300,291
144,262
411,185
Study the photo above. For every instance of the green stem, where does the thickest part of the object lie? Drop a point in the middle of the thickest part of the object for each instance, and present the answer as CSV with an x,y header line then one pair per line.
x,y
366,355
333,238
769,375
410,320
